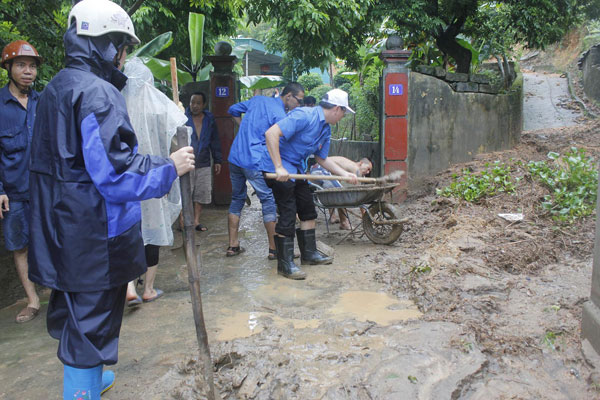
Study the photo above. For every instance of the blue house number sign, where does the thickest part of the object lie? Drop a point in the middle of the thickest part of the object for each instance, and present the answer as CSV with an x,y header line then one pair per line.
x,y
222,91
396,90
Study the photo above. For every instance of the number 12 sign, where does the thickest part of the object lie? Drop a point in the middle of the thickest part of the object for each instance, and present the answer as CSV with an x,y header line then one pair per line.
x,y
222,91
396,90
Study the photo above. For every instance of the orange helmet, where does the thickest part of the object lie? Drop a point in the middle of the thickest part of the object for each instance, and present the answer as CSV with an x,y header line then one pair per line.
x,y
19,48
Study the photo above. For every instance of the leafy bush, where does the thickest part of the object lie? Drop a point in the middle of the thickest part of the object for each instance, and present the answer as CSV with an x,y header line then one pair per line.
x,y
474,186
310,81
319,91
339,79
572,180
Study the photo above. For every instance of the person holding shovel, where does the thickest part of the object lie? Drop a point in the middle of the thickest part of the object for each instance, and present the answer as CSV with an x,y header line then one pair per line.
x,y
86,181
289,142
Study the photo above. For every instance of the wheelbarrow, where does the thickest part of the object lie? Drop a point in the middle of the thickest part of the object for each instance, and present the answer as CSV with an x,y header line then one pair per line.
x,y
380,221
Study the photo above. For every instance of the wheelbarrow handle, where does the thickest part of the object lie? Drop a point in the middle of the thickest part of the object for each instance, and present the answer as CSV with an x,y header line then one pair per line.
x,y
270,175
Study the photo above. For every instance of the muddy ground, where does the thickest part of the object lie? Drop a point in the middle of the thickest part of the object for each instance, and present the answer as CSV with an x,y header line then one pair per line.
x,y
499,306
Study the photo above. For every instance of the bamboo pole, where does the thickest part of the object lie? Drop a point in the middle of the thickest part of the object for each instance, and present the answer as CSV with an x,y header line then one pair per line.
x,y
193,260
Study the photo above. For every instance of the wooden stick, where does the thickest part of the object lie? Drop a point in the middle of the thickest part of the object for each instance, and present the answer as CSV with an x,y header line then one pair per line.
x,y
194,263
193,260
174,80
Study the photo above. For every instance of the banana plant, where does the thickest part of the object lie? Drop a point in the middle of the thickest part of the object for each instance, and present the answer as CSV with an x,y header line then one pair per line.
x,y
161,69
261,81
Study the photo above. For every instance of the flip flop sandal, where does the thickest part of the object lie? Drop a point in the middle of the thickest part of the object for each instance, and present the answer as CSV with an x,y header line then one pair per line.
x,y
135,302
27,314
272,254
159,294
201,228
234,251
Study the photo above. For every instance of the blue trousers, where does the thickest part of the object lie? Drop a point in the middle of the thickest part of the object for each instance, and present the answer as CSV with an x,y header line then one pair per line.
x,y
87,325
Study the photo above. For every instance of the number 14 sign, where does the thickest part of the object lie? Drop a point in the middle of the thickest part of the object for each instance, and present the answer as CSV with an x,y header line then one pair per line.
x,y
396,90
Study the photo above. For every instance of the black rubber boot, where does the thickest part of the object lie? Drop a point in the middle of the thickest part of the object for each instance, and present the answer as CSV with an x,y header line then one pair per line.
x,y
285,258
307,242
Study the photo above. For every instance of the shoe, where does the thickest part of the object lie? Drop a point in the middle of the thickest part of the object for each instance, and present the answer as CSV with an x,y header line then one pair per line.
x,y
82,383
201,228
27,314
135,302
108,380
234,251
159,294
285,258
273,255
307,242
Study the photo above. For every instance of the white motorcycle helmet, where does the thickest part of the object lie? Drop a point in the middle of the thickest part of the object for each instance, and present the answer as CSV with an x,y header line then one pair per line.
x,y
101,17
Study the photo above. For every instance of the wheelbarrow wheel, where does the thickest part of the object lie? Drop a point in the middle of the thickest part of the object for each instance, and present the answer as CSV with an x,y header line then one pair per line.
x,y
381,233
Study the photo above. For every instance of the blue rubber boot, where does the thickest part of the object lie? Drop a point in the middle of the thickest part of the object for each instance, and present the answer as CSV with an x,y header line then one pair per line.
x,y
82,383
108,380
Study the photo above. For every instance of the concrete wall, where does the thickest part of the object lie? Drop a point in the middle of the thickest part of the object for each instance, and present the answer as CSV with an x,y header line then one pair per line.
x,y
591,73
590,322
447,127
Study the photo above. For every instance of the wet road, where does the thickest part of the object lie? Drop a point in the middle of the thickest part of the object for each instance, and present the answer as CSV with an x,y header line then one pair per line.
x,y
237,293
544,98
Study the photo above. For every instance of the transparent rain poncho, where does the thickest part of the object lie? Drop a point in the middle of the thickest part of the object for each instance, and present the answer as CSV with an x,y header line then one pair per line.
x,y
155,119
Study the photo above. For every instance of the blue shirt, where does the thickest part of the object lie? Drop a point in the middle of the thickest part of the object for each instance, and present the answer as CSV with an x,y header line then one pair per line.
x,y
249,144
16,130
305,132
207,142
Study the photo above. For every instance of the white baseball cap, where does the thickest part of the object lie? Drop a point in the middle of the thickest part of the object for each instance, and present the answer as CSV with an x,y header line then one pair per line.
x,y
338,97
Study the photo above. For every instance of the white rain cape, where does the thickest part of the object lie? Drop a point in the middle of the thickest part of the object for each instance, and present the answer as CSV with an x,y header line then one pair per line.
x,y
155,119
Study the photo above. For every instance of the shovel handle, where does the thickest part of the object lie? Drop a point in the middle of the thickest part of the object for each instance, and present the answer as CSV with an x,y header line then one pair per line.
x,y
270,175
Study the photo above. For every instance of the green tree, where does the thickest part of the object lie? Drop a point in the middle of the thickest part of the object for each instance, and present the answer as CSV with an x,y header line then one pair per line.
x,y
43,24
317,31
310,81
311,33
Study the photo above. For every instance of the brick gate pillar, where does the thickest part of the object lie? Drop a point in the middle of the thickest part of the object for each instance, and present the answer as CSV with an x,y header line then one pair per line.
x,y
223,94
394,122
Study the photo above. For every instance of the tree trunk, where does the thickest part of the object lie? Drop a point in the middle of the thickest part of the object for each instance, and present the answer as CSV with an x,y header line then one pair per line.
x,y
446,42
448,45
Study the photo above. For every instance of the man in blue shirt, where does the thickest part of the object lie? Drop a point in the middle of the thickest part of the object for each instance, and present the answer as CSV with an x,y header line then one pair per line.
x,y
17,113
245,155
206,142
289,142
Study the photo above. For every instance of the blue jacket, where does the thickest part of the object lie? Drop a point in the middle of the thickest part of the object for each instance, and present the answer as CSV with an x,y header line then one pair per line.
x,y
261,113
206,144
16,128
86,176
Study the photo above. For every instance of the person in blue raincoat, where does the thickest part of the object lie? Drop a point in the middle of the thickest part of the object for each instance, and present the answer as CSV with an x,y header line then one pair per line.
x,y
86,181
